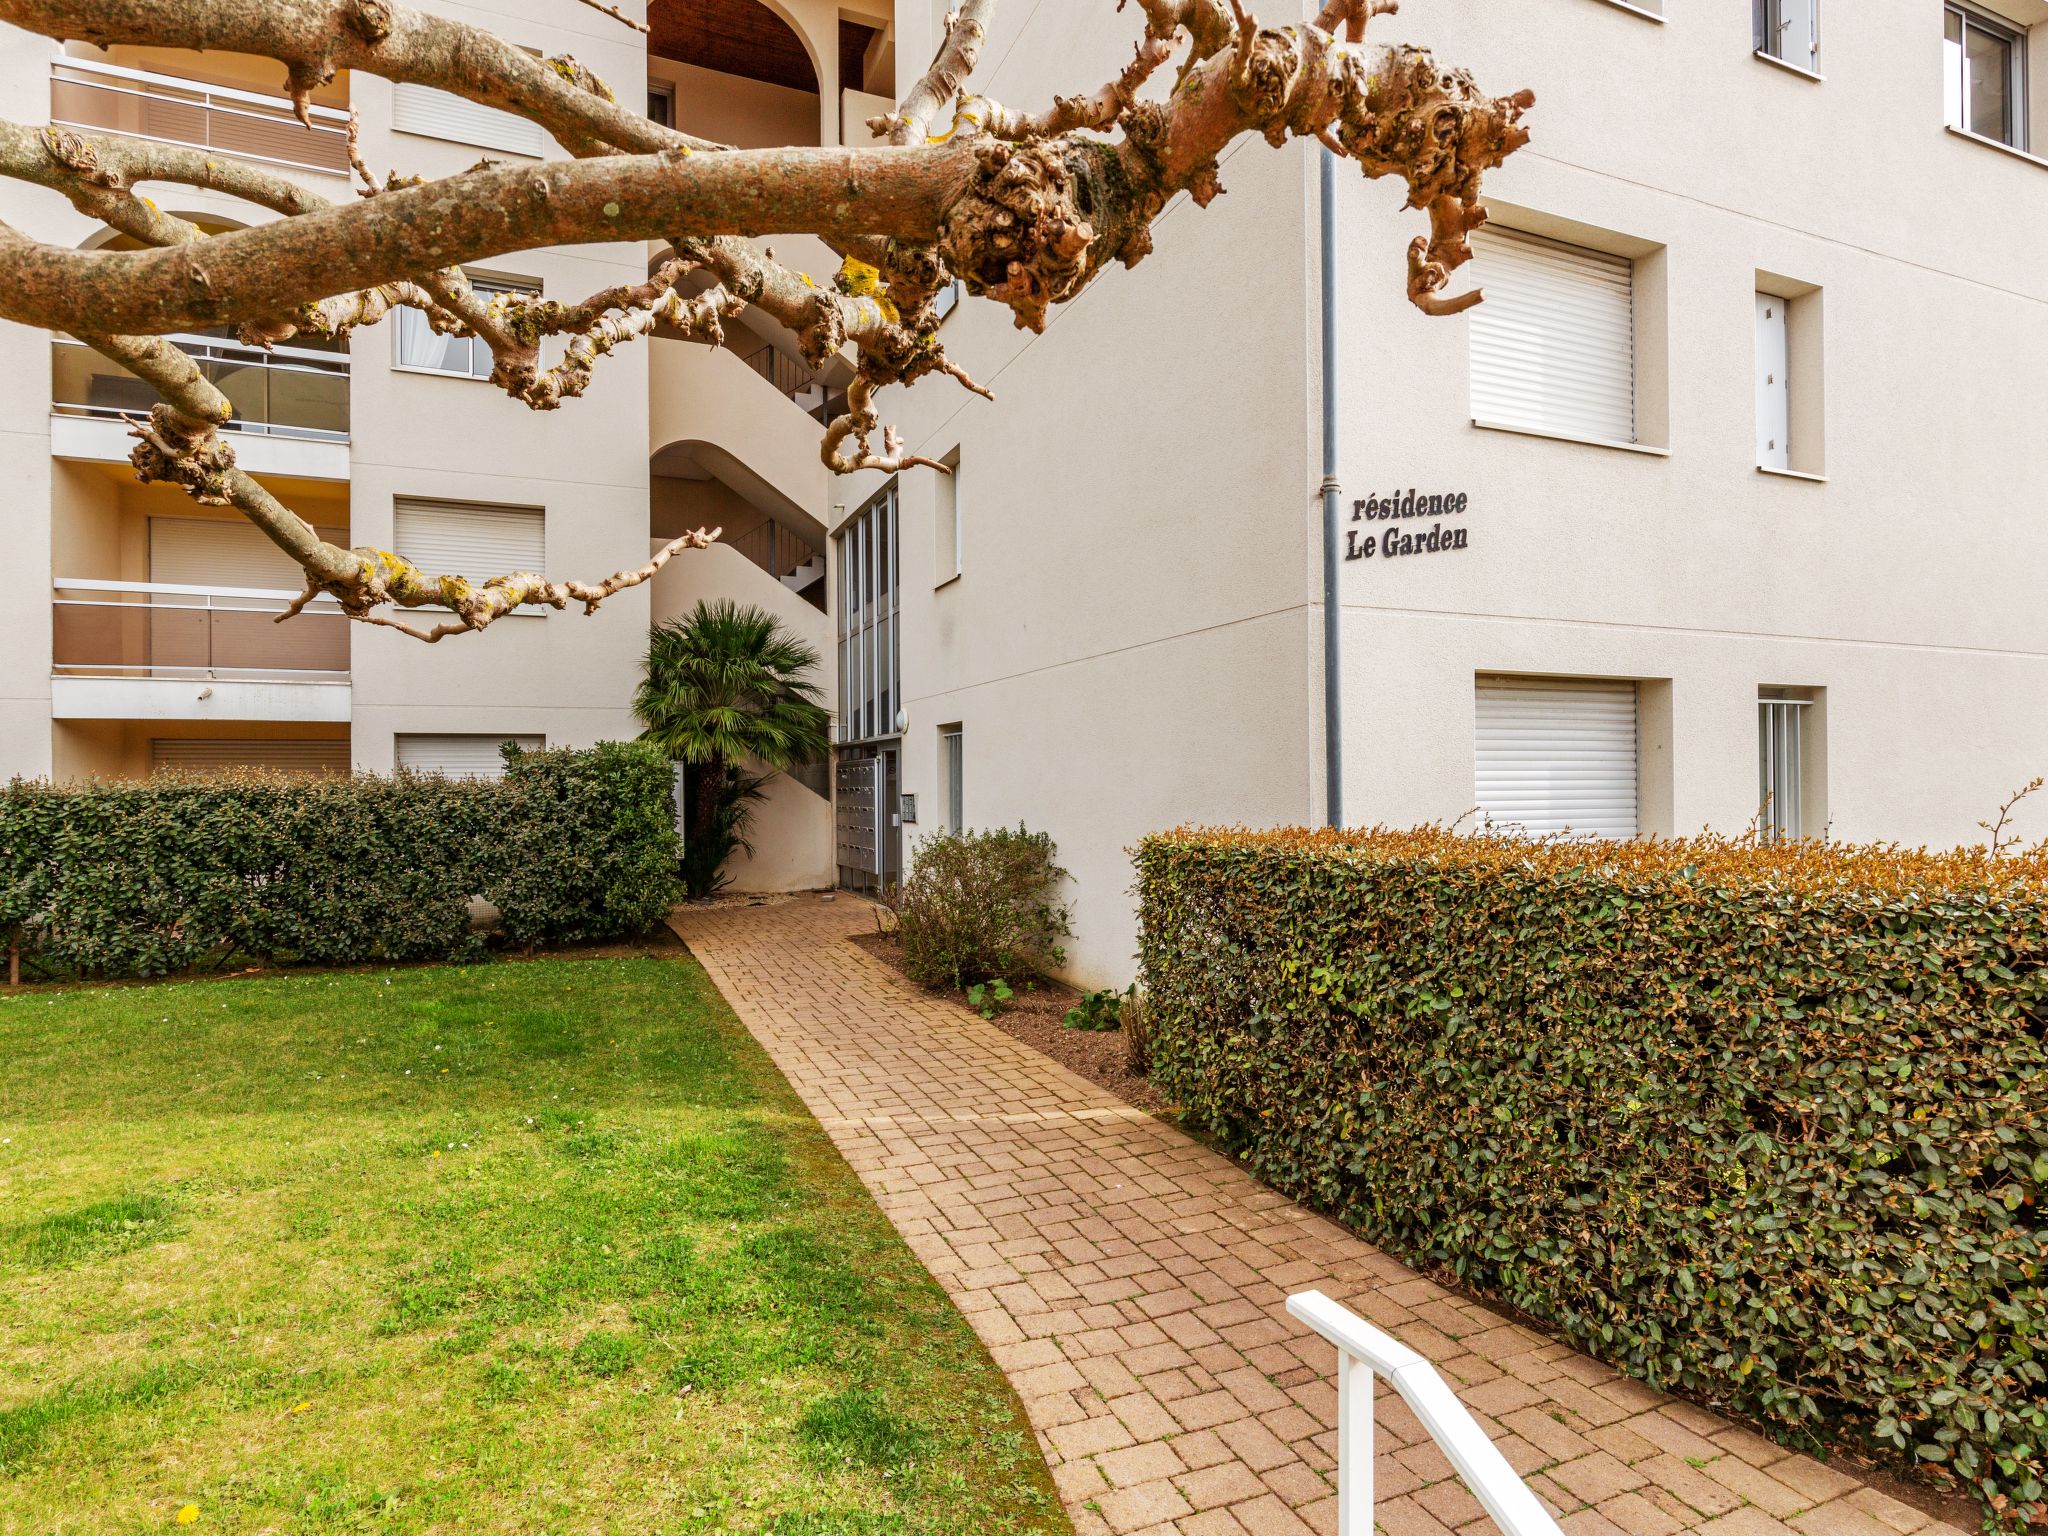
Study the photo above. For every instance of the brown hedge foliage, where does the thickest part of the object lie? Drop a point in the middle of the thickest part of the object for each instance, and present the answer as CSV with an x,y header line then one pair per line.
x,y
1767,1126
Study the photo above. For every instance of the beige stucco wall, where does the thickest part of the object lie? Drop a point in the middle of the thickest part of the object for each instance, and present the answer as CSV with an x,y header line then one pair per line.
x,y
730,110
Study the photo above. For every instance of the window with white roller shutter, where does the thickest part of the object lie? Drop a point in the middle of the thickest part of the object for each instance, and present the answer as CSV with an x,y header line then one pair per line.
x,y
223,552
1553,347
1557,755
437,114
315,759
461,757
469,539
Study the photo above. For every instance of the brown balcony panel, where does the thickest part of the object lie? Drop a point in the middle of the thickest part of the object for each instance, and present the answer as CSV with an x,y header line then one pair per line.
x,y
180,113
178,636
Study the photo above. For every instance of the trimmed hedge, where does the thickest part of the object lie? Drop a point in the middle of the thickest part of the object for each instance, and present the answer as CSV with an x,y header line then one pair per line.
x,y
1765,1126
144,879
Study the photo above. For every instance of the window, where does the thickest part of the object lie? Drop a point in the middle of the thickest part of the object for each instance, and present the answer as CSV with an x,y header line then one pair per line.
x,y
661,103
1557,756
1791,364
870,649
442,115
421,347
1553,346
946,520
472,540
1789,31
953,764
948,298
462,757
1985,77
1773,382
310,759
1781,722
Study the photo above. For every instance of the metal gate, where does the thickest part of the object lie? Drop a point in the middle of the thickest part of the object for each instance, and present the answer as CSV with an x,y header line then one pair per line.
x,y
864,813
858,815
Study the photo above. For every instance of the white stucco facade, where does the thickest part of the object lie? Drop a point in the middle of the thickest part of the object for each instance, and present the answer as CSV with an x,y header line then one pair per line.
x,y
1135,638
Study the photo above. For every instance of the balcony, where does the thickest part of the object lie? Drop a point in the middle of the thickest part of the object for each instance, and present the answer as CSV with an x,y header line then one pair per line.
x,y
291,404
285,392
249,125
130,650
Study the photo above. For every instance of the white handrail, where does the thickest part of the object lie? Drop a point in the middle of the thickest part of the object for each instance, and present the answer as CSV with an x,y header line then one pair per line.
x,y
173,590
1364,1351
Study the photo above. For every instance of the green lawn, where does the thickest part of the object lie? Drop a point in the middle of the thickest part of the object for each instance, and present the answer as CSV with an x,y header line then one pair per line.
x,y
538,1248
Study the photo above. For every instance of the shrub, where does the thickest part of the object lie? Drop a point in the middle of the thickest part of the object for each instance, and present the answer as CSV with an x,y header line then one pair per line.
x,y
1766,1126
143,879
982,905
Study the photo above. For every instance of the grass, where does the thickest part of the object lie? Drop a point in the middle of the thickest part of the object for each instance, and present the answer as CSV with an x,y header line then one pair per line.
x,y
544,1248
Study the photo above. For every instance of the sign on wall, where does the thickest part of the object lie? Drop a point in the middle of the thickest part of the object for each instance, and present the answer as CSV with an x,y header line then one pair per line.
x,y
1425,525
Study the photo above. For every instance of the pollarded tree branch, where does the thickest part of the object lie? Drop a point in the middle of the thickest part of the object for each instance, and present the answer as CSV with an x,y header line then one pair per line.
x,y
1024,207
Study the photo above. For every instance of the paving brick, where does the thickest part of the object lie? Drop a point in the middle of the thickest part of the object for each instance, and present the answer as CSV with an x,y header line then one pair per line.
x,y
1597,1477
1839,1517
1132,1509
1215,1487
1090,1437
1147,1463
1269,1516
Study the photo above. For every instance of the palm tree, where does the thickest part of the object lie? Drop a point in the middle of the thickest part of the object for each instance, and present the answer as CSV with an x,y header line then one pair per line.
x,y
723,688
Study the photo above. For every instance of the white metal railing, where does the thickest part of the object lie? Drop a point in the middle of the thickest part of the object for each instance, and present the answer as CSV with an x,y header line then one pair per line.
x,y
282,392
142,104
1364,1352
172,630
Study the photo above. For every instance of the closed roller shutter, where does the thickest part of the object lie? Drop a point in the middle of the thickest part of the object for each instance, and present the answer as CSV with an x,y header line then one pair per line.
x,y
442,115
461,757
450,538
1553,346
205,552
1557,755
319,759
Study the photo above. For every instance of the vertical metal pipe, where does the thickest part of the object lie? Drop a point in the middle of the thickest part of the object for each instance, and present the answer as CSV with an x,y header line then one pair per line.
x,y
1333,679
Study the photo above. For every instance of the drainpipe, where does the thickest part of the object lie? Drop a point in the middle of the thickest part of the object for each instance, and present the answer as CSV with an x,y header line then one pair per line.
x,y
1333,681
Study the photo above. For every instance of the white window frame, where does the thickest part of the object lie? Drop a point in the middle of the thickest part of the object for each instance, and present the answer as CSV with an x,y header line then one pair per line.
x,y
427,112
2015,38
953,768
662,90
1781,766
948,488
1772,27
868,551
526,741
1492,337
479,354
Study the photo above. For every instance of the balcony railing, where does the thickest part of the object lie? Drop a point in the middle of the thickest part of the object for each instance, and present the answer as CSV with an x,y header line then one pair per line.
x,y
804,388
225,634
285,392
246,124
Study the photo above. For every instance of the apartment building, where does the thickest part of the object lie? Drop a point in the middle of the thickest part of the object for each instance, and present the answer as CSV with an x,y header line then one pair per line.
x,y
1719,512
1724,509
140,629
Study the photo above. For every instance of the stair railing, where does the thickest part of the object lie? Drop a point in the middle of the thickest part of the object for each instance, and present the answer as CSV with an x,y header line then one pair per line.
x,y
1364,1352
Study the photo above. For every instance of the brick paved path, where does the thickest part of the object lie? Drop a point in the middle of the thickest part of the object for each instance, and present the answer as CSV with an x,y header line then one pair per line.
x,y
1132,1284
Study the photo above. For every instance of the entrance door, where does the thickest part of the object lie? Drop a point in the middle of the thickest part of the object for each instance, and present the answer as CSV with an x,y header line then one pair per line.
x,y
868,819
